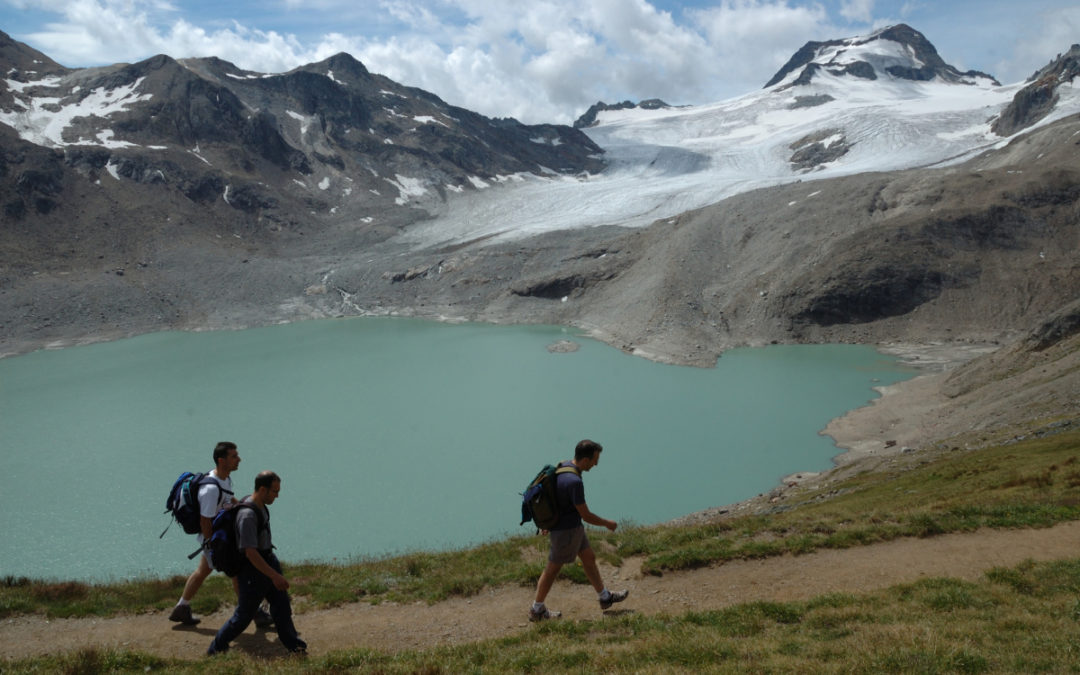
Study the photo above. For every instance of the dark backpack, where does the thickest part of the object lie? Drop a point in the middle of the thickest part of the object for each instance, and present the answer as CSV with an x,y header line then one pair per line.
x,y
223,548
539,502
183,501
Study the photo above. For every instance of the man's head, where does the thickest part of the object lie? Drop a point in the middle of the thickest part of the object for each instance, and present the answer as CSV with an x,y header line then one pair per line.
x,y
587,454
267,488
226,457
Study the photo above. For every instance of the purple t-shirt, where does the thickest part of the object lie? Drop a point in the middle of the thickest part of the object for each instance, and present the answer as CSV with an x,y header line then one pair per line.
x,y
570,491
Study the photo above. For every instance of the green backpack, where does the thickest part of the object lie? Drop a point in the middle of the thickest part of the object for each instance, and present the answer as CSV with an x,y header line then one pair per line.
x,y
538,502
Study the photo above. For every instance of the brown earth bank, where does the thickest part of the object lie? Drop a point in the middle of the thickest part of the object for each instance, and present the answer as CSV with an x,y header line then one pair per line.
x,y
500,612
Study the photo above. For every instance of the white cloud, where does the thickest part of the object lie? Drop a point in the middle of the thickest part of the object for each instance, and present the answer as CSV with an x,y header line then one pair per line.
x,y
857,11
1049,33
752,39
538,61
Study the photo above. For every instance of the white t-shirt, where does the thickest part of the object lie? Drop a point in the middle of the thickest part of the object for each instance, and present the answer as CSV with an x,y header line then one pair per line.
x,y
214,494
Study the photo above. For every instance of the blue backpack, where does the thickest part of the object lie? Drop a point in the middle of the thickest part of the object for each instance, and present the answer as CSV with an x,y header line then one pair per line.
x,y
183,501
539,502
223,548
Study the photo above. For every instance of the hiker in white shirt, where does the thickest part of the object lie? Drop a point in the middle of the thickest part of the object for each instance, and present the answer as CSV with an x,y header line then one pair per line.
x,y
213,495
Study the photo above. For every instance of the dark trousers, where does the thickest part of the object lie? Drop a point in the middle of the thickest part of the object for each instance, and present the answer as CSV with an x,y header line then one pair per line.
x,y
254,588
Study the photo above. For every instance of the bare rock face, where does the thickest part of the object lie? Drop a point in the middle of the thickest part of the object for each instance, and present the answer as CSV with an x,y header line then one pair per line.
x,y
818,148
1037,99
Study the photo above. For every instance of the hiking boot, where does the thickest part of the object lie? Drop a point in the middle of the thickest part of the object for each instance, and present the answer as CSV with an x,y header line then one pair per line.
x,y
182,614
543,614
263,618
612,598
300,649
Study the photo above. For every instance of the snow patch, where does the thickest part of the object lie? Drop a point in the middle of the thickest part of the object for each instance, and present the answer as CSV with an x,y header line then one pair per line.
x,y
105,138
304,120
407,188
44,120
428,119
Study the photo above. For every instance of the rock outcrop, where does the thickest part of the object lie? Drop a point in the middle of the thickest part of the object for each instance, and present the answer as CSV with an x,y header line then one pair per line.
x,y
589,117
1037,99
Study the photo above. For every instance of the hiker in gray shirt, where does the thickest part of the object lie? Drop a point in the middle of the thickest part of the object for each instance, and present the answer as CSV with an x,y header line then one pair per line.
x,y
568,538
261,576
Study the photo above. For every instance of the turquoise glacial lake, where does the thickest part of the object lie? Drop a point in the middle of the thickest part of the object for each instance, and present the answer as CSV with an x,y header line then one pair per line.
x,y
390,435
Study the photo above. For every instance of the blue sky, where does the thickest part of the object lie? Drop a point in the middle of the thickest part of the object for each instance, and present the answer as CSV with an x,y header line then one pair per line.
x,y
540,60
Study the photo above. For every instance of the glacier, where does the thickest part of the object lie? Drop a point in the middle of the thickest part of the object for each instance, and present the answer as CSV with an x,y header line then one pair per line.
x,y
667,161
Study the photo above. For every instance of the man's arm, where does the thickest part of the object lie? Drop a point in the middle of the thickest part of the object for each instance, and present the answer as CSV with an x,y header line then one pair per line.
x,y
207,526
593,519
280,582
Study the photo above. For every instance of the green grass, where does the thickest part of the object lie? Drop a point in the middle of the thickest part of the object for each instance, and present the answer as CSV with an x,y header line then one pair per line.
x,y
1017,620
1024,619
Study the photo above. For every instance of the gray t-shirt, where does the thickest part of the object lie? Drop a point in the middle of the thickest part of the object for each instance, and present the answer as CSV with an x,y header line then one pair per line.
x,y
248,532
569,491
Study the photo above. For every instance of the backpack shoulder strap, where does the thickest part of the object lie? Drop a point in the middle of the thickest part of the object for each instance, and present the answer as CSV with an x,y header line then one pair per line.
x,y
263,520
216,482
568,469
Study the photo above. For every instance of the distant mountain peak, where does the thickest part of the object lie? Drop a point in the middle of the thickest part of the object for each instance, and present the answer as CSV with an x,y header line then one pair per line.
x,y
895,52
340,66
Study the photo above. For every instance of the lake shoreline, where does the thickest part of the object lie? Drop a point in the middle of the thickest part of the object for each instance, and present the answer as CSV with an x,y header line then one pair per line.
x,y
343,376
900,421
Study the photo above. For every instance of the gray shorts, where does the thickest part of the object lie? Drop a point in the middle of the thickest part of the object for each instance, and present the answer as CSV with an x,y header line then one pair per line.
x,y
567,544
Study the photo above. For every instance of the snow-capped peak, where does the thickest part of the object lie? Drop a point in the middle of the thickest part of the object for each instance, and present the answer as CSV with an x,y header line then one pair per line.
x,y
895,53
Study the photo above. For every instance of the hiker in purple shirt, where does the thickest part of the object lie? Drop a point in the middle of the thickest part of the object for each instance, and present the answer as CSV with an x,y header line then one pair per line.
x,y
568,538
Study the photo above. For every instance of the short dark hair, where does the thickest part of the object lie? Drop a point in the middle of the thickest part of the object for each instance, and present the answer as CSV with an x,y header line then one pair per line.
x,y
221,450
587,448
266,479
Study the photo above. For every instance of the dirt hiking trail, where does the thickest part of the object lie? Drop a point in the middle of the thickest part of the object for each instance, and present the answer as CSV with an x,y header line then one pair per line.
x,y
501,611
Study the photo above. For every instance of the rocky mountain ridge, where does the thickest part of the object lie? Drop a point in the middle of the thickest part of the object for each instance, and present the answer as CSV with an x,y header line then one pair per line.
x,y
329,140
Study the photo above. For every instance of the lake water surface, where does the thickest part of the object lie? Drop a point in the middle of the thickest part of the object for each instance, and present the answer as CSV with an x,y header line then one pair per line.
x,y
390,435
